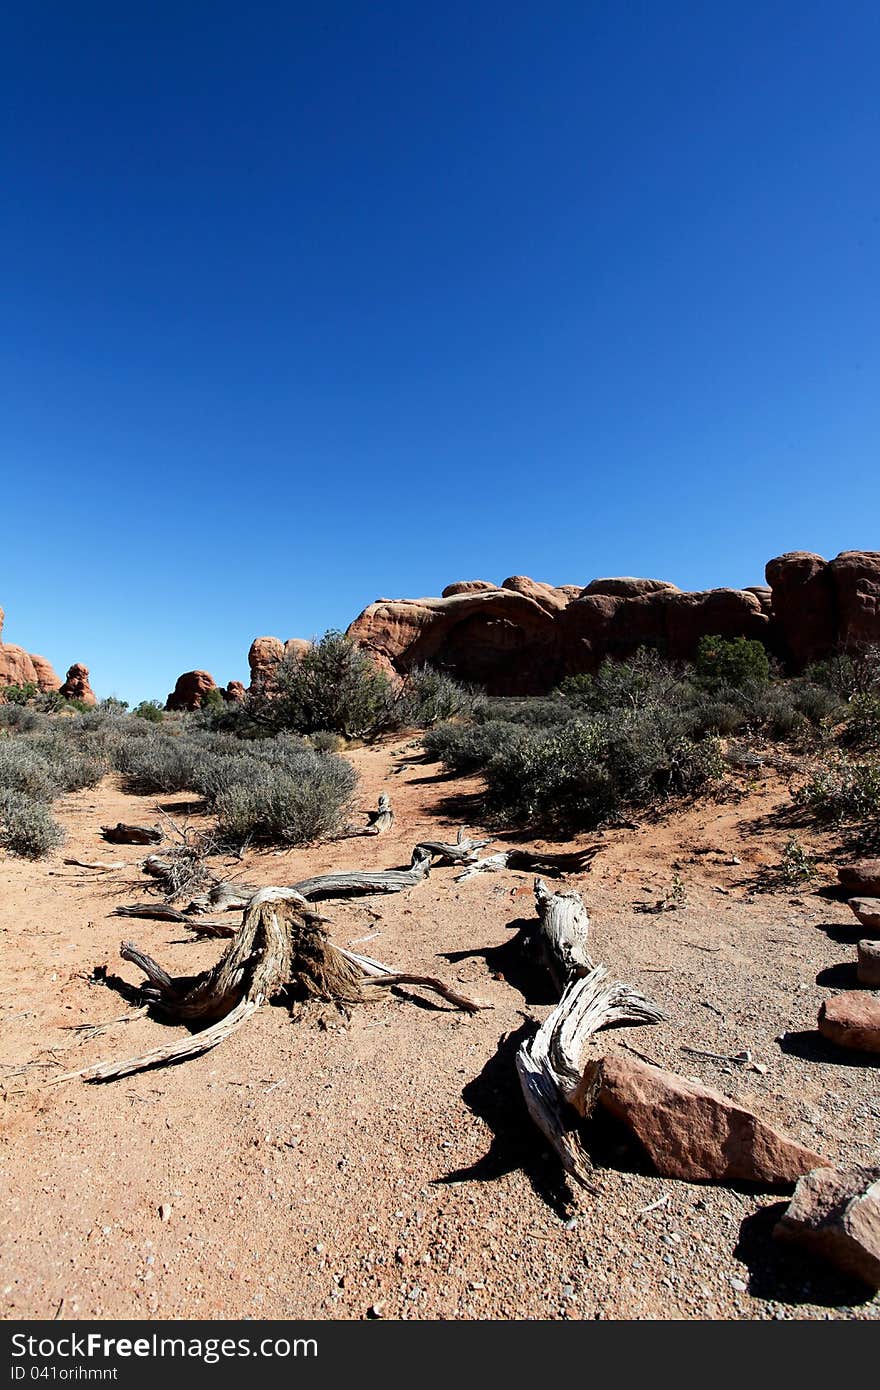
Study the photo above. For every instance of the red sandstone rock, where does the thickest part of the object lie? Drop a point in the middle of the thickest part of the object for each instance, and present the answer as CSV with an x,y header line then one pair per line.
x,y
18,667
264,658
296,647
76,686
852,1019
868,964
467,586
855,576
235,693
867,910
688,1130
549,597
803,605
861,878
625,586
835,1213
190,690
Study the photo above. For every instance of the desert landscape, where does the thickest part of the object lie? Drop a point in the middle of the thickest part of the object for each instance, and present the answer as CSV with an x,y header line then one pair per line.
x,y
565,1005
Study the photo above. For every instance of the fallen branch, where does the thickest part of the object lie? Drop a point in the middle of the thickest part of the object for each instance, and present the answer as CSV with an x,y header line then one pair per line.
x,y
227,896
101,864
565,926
464,851
550,1063
121,834
554,865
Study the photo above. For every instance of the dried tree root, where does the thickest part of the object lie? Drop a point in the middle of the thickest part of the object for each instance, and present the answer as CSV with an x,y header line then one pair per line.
x,y
565,926
551,1062
464,851
226,897
122,834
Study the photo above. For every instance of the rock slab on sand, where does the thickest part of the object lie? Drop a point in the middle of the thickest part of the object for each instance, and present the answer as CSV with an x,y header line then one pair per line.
x,y
868,965
863,877
835,1213
691,1131
852,1019
867,910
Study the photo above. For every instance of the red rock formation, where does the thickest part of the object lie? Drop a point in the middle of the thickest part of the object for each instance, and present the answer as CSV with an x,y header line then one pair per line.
x,y
76,686
235,693
190,690
803,606
264,657
18,667
835,1213
467,586
855,577
852,1019
498,638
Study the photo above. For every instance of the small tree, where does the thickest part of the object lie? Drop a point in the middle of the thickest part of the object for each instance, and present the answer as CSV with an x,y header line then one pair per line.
x,y
739,663
332,686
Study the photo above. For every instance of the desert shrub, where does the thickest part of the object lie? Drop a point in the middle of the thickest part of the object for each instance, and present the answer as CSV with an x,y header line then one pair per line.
x,y
20,694
644,681
467,748
427,696
862,725
18,718
739,662
26,827
294,799
796,865
333,685
24,769
323,741
157,762
213,699
152,710
539,711
843,790
587,771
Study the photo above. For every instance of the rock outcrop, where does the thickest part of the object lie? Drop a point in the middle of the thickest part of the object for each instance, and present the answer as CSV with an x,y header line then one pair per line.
x,y
521,637
190,690
235,693
77,687
18,667
266,655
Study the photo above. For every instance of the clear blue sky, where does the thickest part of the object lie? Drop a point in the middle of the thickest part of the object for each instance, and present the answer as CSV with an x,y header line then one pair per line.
x,y
305,304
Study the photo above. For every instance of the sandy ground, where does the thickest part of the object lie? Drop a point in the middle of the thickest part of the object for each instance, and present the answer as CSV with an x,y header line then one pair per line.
x,y
384,1166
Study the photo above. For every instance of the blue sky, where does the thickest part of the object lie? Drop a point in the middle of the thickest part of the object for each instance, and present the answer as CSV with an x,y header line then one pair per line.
x,y
305,304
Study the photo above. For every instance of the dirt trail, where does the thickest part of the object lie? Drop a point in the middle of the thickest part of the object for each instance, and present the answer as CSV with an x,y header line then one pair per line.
x,y
384,1166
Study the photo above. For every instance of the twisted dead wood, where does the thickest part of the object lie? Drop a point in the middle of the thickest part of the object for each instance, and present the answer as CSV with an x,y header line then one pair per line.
x,y
555,865
564,928
464,851
550,1063
226,896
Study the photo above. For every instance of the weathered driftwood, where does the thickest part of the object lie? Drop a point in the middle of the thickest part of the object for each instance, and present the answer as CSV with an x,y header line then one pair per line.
x,y
550,1063
281,946
523,859
382,818
464,851
564,929
226,896
103,864
161,912
121,834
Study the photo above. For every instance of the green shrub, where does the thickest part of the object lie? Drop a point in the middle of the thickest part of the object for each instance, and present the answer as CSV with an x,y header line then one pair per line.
x,y
152,710
26,827
323,741
159,762
427,696
18,718
294,799
644,681
739,662
843,790
333,685
467,748
862,727
20,694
